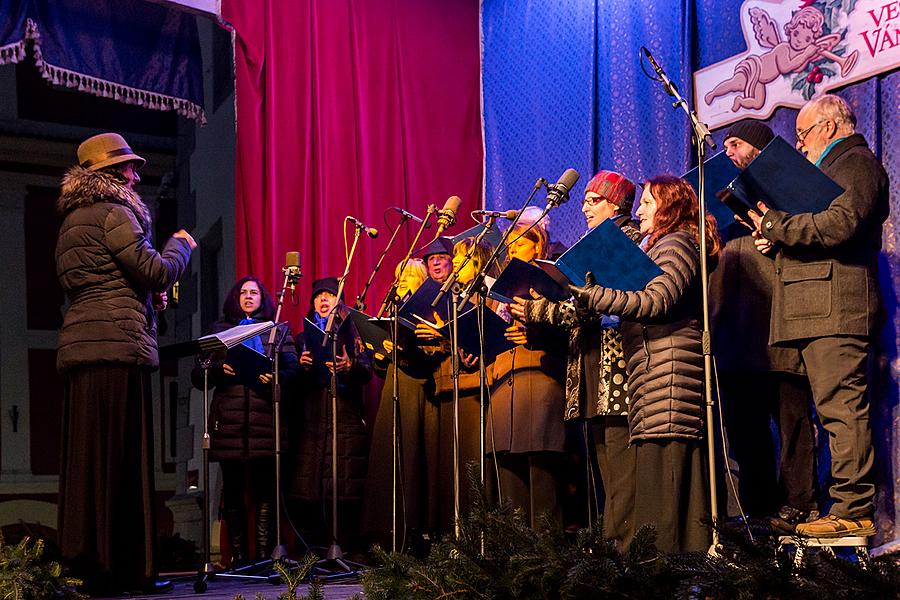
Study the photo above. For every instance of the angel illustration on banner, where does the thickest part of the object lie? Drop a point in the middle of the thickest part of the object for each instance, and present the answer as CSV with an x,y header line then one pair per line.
x,y
805,44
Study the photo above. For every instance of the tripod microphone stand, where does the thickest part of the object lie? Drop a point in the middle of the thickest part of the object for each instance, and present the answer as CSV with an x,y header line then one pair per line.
x,y
701,137
292,275
335,555
392,300
458,301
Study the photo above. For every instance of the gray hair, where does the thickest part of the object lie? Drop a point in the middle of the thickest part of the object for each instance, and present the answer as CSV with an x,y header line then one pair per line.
x,y
835,108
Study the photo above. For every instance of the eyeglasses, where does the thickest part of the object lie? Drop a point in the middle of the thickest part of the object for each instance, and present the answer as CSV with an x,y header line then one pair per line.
x,y
593,200
801,135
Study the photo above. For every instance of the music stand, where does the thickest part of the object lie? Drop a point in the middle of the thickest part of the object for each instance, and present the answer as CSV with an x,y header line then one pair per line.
x,y
204,348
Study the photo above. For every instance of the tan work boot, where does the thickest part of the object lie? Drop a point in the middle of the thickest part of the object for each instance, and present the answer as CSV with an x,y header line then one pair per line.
x,y
831,526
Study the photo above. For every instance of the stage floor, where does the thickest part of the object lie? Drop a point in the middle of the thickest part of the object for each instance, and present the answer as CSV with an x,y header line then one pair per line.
x,y
227,590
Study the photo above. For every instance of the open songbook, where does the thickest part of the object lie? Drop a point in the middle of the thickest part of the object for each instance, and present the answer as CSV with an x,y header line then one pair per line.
x,y
783,179
615,260
417,308
373,332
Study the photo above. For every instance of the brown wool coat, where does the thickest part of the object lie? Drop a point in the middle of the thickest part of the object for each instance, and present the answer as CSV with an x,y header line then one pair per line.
x,y
109,270
528,396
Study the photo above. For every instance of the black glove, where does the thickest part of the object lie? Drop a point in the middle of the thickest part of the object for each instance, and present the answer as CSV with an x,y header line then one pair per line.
x,y
582,295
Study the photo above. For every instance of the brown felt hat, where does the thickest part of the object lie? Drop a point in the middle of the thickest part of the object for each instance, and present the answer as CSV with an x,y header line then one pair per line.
x,y
106,150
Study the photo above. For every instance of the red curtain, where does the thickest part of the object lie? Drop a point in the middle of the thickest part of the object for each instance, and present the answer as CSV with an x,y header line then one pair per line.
x,y
347,108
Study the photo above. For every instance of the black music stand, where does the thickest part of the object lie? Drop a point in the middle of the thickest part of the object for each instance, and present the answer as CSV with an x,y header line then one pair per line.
x,y
204,348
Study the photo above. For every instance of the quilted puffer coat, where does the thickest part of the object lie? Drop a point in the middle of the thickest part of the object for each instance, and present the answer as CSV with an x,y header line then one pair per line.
x,y
109,272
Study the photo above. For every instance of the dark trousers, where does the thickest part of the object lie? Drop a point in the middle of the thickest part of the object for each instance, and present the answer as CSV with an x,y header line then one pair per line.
x,y
671,494
616,462
258,478
106,482
838,374
749,402
530,481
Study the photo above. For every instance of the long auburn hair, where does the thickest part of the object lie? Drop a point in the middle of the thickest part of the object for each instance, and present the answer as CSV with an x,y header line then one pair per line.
x,y
677,209
232,305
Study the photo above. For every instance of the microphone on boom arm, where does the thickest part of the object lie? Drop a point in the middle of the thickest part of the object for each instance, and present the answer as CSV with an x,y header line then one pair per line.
x,y
409,216
370,231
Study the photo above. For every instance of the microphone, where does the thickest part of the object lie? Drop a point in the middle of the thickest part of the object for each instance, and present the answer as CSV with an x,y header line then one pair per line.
x,y
447,215
370,231
410,217
508,214
701,131
667,83
559,191
292,269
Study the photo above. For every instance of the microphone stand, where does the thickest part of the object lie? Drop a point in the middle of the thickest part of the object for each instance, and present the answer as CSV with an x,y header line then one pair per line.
x,y
458,301
335,554
478,281
392,300
701,137
452,285
390,297
291,276
360,303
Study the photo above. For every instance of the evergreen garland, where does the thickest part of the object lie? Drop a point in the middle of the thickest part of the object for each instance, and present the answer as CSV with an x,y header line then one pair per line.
x,y
521,563
26,575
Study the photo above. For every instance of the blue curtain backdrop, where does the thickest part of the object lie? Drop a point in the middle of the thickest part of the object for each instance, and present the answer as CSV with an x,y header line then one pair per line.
x,y
563,88
134,51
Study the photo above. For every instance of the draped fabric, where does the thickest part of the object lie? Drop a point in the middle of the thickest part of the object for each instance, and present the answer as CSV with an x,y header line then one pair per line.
x,y
348,108
133,51
563,87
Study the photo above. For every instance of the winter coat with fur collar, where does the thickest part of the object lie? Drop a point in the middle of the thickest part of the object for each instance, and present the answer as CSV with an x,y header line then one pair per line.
x,y
109,271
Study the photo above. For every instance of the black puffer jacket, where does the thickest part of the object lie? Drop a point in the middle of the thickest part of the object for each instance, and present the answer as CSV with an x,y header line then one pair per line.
x,y
661,337
109,271
241,419
311,424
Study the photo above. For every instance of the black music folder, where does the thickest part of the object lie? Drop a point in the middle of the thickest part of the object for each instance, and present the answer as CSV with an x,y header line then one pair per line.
x,y
248,364
417,308
785,180
314,339
519,276
373,332
467,329
216,342
616,261
718,172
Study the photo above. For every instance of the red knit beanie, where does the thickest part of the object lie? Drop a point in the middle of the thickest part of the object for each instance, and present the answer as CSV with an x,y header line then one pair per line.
x,y
614,187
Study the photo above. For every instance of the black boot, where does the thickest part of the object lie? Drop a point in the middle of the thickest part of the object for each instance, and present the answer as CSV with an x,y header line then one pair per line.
x,y
237,525
263,515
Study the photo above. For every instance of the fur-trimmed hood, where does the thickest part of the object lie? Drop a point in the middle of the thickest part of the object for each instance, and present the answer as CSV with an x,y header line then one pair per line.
x,y
83,187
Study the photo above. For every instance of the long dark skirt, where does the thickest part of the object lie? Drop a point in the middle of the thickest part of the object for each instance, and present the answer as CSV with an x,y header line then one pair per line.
x,y
671,493
106,486
412,490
